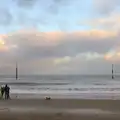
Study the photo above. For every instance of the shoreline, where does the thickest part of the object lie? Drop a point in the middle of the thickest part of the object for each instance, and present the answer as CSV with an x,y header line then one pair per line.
x,y
65,96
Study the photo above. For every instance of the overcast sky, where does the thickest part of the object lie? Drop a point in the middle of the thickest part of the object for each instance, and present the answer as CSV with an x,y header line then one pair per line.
x,y
59,36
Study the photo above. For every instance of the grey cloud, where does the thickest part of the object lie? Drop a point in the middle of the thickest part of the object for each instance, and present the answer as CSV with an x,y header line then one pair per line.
x,y
106,6
62,2
35,47
26,3
53,4
73,47
35,55
56,5
5,17
79,66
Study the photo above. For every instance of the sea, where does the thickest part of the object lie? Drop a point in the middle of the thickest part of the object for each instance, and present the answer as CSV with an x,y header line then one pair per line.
x,y
64,86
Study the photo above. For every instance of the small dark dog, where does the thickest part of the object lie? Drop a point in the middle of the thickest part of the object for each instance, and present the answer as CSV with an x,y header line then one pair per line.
x,y
47,98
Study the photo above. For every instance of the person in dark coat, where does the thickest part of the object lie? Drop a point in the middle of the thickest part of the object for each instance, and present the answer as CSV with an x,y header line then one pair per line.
x,y
7,92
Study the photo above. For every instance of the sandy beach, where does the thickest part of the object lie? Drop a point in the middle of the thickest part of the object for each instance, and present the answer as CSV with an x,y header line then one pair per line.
x,y
59,109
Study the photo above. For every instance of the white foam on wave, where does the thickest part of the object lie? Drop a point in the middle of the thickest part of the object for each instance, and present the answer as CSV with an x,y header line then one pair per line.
x,y
62,95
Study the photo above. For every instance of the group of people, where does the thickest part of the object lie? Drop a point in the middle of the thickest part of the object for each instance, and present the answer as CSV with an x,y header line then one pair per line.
x,y
5,92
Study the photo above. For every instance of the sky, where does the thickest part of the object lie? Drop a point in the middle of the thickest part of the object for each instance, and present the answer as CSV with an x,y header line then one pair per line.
x,y
60,36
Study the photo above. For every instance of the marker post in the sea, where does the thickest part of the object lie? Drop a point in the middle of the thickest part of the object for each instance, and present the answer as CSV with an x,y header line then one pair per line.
x,y
16,75
112,72
16,71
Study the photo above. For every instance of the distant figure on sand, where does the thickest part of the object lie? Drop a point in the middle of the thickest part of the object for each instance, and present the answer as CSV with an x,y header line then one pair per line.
x,y
7,92
2,91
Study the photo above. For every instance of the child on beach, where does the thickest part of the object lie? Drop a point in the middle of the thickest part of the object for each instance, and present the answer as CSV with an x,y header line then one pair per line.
x,y
2,91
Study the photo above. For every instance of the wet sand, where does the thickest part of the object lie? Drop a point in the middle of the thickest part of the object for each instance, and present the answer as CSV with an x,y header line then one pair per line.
x,y
59,109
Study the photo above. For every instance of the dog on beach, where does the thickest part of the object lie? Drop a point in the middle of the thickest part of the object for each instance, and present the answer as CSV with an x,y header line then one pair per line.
x,y
47,98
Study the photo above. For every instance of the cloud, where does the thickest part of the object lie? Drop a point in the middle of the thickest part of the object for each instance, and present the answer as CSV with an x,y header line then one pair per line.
x,y
56,5
58,52
106,6
109,22
88,56
63,60
84,63
58,44
5,17
52,6
26,3
113,55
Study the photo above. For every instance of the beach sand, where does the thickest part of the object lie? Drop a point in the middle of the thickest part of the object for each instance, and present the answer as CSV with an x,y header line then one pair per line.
x,y
59,109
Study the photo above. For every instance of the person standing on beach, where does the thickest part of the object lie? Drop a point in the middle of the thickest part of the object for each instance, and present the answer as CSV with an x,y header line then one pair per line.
x,y
2,91
7,92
